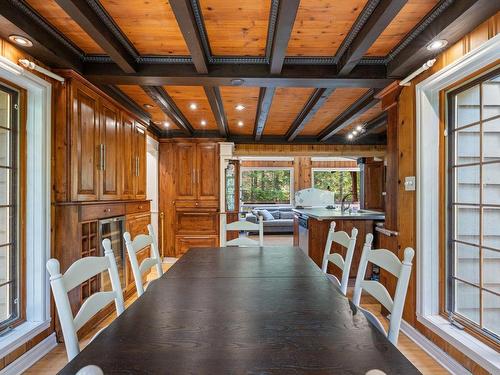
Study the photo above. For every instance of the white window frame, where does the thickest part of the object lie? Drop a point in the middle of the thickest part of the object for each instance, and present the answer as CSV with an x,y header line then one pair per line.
x,y
292,182
38,209
428,198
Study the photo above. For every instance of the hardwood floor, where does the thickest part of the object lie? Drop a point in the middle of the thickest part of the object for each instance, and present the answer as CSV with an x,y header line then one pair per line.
x,y
56,359
275,239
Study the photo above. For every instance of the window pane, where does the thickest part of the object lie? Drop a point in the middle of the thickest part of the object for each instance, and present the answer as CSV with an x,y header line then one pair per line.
x,y
491,228
4,109
491,183
491,98
467,263
4,147
467,184
467,148
4,225
266,186
339,182
491,270
467,107
467,224
467,300
4,186
5,308
491,312
491,140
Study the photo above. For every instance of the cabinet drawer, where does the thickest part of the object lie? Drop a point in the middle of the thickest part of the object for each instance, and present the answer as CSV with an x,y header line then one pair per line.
x,y
196,222
101,211
197,204
135,207
184,243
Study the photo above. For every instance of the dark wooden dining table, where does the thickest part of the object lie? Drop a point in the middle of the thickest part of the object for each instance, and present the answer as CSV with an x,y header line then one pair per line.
x,y
267,310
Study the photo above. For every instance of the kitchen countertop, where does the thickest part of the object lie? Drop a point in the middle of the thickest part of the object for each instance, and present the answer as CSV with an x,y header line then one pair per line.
x,y
320,213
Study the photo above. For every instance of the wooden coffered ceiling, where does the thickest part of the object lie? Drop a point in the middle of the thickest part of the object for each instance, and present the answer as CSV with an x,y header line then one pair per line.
x,y
304,70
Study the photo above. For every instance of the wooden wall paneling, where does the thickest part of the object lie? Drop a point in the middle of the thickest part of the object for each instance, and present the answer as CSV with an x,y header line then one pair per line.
x,y
411,14
84,142
338,102
320,26
58,18
287,103
150,25
246,96
236,28
184,96
110,180
256,149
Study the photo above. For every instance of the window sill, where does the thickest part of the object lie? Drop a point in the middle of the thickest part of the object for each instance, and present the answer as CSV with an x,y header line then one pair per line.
x,y
476,350
20,334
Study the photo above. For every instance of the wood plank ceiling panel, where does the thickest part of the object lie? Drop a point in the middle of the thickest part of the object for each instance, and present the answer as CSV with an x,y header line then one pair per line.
x,y
287,103
365,117
184,96
137,94
236,28
338,102
149,24
411,14
321,26
58,18
246,96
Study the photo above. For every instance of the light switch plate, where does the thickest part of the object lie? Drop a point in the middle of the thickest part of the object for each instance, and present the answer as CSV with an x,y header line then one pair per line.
x,y
410,183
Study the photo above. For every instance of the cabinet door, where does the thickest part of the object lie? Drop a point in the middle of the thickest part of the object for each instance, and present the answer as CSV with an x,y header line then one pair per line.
x,y
84,143
110,152
140,155
184,243
185,170
207,172
137,224
196,222
374,185
127,157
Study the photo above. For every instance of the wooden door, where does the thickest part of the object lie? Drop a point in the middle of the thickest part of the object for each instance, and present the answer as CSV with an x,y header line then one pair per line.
x,y
185,171
140,155
127,157
84,143
110,152
207,172
374,185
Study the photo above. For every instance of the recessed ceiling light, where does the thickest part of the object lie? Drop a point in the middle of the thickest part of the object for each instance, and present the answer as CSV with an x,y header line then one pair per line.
x,y
359,128
147,106
240,123
437,44
203,122
21,40
240,107
350,136
167,124
354,132
193,106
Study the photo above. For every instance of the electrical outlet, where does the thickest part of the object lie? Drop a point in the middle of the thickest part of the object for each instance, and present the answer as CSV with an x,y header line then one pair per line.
x,y
410,183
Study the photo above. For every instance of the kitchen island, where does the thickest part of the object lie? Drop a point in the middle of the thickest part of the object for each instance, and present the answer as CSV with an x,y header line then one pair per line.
x,y
311,227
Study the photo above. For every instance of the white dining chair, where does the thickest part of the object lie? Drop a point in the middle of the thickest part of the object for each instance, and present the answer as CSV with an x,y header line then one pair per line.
x,y
241,226
80,271
400,269
137,244
344,240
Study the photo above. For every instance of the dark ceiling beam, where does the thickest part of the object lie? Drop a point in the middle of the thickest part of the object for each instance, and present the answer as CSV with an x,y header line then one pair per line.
x,y
118,95
167,105
257,75
373,125
48,45
355,110
378,21
215,100
187,23
374,139
314,103
452,24
83,14
264,106
287,11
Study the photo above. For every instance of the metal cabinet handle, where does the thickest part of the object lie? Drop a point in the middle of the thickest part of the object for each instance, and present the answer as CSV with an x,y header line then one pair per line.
x,y
101,157
137,166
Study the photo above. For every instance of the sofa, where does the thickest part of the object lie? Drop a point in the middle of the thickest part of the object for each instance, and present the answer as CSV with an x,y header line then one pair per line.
x,y
275,220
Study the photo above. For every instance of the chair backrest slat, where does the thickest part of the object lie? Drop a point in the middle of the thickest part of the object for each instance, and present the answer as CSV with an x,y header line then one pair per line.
x,y
240,225
349,242
140,242
80,271
400,269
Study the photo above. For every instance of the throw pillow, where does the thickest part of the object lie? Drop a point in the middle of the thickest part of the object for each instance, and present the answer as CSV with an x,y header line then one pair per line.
x,y
287,215
266,214
276,214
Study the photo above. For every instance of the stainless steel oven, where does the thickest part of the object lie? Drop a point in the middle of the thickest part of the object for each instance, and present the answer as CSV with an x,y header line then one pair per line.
x,y
113,229
304,234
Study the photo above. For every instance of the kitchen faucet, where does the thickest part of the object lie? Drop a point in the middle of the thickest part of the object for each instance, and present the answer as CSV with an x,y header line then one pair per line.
x,y
342,207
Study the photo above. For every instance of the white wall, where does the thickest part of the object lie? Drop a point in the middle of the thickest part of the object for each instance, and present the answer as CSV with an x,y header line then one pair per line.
x,y
152,181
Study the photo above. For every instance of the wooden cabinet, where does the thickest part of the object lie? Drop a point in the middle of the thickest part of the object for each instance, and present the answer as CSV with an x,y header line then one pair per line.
x,y
128,157
189,194
373,173
137,223
110,151
140,157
